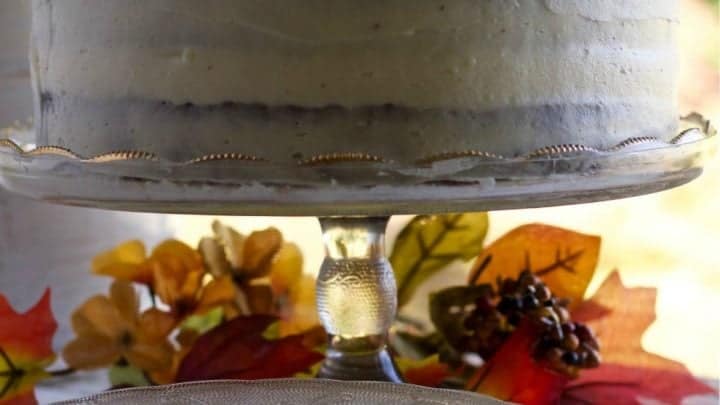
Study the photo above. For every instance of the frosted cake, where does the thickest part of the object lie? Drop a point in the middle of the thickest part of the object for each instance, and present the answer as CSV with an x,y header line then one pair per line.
x,y
15,90
286,80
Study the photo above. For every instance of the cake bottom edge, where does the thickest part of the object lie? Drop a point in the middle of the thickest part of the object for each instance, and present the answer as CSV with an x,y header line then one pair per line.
x,y
290,133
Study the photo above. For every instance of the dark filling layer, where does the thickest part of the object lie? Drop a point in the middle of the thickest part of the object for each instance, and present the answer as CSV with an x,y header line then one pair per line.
x,y
288,133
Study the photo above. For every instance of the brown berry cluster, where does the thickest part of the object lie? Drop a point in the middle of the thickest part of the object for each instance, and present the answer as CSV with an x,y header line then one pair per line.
x,y
564,345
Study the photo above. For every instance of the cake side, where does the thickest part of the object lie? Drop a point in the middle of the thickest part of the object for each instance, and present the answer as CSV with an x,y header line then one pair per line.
x,y
15,89
457,74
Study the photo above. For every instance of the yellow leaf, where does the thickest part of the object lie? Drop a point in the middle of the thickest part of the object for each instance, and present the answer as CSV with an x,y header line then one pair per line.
x,y
430,242
563,259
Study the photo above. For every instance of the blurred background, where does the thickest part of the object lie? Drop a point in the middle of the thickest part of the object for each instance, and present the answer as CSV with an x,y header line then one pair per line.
x,y
665,240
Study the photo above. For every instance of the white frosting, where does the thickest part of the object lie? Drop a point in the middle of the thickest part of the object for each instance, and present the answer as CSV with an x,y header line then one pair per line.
x,y
15,89
610,10
314,53
107,64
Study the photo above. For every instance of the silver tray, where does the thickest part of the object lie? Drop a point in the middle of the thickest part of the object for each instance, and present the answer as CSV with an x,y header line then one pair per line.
x,y
355,184
296,392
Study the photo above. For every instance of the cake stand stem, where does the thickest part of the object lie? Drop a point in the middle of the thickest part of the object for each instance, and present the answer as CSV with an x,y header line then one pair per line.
x,y
357,299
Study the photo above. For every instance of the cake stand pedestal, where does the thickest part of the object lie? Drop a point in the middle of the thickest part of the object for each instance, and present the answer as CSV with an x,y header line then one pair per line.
x,y
356,299
356,291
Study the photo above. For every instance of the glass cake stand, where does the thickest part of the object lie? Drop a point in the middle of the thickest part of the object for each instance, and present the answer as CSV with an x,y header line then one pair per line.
x,y
354,196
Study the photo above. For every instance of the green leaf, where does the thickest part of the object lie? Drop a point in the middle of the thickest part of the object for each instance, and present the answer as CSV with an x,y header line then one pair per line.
x,y
272,332
416,347
449,307
127,376
431,242
205,322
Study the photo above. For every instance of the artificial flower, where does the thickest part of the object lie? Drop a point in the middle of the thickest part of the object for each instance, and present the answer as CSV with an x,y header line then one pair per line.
x,y
129,262
247,261
294,292
111,328
244,258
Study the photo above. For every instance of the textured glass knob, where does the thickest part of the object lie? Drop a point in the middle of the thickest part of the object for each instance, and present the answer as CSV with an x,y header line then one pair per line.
x,y
357,299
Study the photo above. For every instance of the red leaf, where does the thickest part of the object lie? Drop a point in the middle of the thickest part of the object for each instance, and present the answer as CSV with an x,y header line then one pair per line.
x,y
428,375
25,349
513,375
238,350
27,398
27,335
628,371
618,384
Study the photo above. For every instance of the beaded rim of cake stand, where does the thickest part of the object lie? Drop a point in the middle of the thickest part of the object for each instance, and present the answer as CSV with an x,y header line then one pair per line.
x,y
342,157
701,129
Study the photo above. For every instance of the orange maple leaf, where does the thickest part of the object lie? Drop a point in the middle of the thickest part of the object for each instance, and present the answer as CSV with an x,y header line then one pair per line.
x,y
628,372
25,349
563,259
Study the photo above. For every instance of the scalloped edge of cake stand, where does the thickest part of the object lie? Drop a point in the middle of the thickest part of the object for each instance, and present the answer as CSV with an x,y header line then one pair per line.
x,y
348,184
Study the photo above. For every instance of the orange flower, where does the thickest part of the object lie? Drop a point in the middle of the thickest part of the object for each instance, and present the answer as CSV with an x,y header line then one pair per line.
x,y
110,328
250,261
167,375
190,296
129,261
245,260
298,312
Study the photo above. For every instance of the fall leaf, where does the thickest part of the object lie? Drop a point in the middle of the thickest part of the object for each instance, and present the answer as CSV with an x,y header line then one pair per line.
x,y
513,375
448,310
563,259
628,372
618,384
127,376
430,242
429,372
25,349
238,350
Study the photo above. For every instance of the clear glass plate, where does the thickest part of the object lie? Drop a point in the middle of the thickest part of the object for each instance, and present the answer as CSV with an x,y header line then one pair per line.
x,y
233,185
